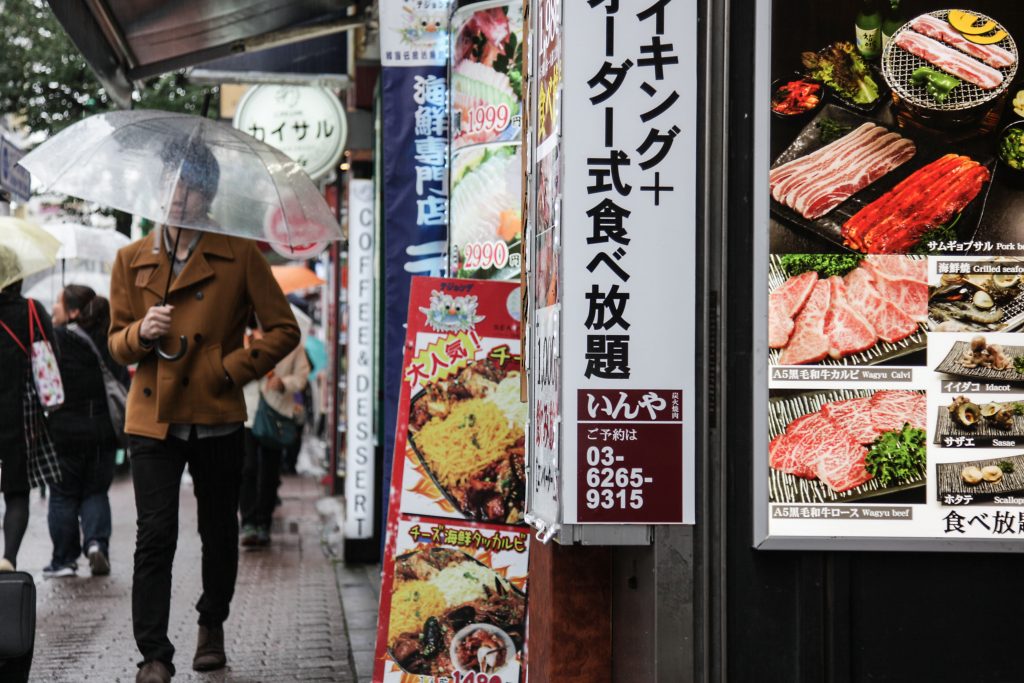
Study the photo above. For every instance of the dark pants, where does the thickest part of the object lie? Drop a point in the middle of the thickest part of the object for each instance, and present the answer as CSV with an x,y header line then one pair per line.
x,y
86,473
215,465
261,475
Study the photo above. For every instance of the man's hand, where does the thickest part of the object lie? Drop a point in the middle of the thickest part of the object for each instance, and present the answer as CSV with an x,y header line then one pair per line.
x,y
275,384
157,323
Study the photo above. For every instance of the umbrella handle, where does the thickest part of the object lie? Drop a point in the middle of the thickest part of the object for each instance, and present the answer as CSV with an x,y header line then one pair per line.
x,y
173,356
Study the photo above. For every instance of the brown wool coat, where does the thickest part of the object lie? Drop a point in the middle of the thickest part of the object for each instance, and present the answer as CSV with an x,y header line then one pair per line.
x,y
222,281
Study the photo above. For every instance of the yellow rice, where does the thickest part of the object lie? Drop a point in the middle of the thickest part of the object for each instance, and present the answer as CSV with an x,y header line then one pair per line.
x,y
412,603
475,434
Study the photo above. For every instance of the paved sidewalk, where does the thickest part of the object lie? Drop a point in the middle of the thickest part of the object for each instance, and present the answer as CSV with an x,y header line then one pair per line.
x,y
287,620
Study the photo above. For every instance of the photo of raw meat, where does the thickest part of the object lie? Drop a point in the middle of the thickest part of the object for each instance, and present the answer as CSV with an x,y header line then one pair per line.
x,y
833,446
845,309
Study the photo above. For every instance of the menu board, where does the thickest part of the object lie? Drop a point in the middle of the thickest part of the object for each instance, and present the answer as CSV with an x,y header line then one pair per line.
x,y
895,285
485,213
453,593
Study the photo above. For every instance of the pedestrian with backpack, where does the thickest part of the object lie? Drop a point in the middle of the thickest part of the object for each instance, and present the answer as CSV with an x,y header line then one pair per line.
x,y
87,431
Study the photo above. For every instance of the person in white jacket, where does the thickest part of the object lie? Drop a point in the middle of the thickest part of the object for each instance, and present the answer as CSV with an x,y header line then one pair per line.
x,y
261,471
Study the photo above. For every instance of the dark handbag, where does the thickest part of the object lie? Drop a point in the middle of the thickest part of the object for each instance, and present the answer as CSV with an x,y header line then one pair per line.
x,y
17,616
272,429
117,393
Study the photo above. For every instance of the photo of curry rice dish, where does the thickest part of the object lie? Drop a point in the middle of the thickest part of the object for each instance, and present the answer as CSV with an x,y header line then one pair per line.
x,y
968,302
469,433
437,593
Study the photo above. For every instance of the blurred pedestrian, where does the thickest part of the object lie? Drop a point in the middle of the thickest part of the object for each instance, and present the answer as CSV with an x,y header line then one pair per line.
x,y
190,410
27,455
85,436
261,473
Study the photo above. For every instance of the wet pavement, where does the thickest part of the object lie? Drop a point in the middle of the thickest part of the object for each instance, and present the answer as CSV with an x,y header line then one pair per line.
x,y
288,621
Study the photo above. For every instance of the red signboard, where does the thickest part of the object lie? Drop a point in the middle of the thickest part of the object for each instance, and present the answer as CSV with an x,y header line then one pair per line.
x,y
623,472
456,557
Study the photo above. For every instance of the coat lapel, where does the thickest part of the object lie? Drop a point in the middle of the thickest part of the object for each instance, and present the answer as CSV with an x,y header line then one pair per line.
x,y
198,267
150,266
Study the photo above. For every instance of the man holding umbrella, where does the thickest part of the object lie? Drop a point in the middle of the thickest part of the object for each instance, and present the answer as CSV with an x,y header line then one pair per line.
x,y
198,287
192,283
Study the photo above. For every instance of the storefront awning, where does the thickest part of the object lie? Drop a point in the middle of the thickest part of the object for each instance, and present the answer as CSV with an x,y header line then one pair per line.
x,y
130,40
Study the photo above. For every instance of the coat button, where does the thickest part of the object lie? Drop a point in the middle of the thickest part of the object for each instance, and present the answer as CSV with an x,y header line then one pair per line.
x,y
199,295
184,381
147,392
199,338
255,353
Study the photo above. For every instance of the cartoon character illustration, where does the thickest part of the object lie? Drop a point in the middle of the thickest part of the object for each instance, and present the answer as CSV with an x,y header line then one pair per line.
x,y
448,313
423,24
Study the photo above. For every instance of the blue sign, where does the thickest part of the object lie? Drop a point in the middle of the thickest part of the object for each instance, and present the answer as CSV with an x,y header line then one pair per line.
x,y
415,201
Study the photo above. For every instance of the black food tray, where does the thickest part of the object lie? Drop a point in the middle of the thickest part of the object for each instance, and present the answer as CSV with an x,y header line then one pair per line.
x,y
983,436
788,488
929,149
950,365
949,483
879,353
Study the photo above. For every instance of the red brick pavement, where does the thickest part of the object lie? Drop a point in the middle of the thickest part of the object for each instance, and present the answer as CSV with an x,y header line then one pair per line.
x,y
286,623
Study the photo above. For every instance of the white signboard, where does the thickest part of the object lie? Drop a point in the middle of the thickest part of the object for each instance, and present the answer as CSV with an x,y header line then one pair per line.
x,y
306,123
629,260
13,178
359,460
414,32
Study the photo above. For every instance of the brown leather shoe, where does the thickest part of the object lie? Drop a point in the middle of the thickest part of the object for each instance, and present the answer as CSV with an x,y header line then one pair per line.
x,y
210,649
153,672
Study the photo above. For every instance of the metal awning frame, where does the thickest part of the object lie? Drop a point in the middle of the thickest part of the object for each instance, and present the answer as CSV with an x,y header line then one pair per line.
x,y
102,44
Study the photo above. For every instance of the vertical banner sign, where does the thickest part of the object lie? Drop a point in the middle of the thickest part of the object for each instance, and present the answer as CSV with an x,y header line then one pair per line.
x,y
453,593
892,289
545,194
414,100
486,165
360,442
629,260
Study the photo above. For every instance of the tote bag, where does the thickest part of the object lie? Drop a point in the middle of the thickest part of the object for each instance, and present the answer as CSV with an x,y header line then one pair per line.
x,y
45,372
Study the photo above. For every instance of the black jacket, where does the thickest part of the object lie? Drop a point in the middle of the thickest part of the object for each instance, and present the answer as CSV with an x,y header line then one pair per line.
x,y
84,419
13,362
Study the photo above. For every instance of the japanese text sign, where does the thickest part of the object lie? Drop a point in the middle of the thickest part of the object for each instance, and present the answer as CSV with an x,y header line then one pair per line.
x,y
628,253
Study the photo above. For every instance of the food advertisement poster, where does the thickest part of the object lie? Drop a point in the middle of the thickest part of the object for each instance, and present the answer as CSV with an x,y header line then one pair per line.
x,y
629,79
895,277
453,595
486,123
414,145
545,200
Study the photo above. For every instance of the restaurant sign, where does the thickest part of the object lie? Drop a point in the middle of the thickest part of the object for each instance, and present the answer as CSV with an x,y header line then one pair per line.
x,y
891,279
609,310
307,123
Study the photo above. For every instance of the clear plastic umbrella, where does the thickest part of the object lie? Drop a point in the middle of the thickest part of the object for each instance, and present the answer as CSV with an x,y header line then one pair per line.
x,y
25,248
84,242
183,170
